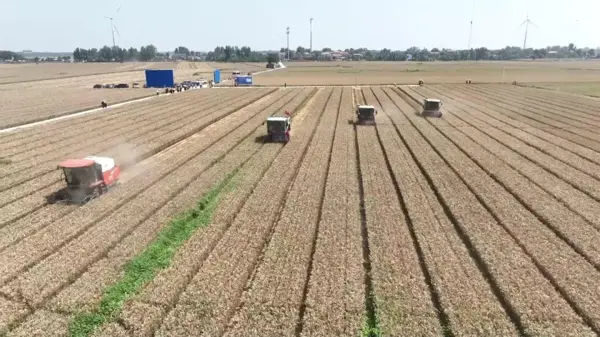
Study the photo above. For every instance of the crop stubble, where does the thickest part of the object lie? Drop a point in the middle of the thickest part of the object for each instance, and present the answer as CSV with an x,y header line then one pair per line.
x,y
144,313
39,244
272,302
148,146
583,137
403,302
554,257
126,132
335,300
464,294
538,194
79,295
210,299
492,115
533,298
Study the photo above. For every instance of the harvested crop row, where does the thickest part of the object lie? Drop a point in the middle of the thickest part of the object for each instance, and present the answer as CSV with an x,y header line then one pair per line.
x,y
42,323
525,163
497,239
84,292
128,155
554,111
540,192
108,128
33,222
556,108
21,137
555,151
17,230
71,103
43,242
519,128
219,283
65,131
466,298
542,121
335,299
583,102
145,312
394,259
171,135
72,259
273,299
127,131
11,312
164,290
25,183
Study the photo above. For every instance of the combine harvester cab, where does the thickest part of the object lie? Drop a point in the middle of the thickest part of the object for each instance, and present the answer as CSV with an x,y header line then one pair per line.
x,y
279,128
432,108
86,179
366,114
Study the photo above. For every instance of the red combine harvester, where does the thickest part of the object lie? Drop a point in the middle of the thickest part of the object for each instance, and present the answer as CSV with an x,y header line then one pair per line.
x,y
86,179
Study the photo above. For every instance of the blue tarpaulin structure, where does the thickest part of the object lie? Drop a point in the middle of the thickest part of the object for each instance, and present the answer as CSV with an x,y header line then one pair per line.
x,y
160,79
243,80
217,76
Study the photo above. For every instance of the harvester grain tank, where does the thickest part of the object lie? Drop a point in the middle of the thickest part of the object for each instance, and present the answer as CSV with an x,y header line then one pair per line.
x,y
279,128
366,114
86,179
432,107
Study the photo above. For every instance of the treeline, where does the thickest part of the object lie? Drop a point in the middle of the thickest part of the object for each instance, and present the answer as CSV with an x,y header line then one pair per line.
x,y
436,54
237,54
246,54
7,55
115,54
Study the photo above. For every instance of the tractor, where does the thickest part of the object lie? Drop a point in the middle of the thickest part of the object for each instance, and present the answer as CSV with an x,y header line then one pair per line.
x,y
86,179
279,128
366,114
432,107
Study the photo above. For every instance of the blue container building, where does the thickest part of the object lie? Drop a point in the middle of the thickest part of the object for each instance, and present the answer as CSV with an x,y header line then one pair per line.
x,y
217,76
243,80
160,79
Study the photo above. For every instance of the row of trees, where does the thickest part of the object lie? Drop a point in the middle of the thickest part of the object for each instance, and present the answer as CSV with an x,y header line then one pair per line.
x,y
418,54
115,54
246,54
237,54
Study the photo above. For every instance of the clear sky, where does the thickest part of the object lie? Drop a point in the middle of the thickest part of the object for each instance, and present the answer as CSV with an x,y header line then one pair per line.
x,y
60,26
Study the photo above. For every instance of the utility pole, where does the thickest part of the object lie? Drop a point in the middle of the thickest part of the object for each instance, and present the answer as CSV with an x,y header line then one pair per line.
x,y
288,43
311,20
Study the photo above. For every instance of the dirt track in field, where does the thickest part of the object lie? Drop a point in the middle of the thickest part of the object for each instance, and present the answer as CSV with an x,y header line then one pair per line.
x,y
485,221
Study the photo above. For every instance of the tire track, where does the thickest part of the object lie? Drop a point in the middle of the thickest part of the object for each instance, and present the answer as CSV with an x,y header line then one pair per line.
x,y
161,294
24,290
574,188
277,289
519,128
455,274
219,283
552,257
31,202
410,309
551,111
37,245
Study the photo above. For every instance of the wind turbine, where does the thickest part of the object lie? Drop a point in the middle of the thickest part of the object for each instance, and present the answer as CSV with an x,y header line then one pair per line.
x,y
113,28
527,22
471,31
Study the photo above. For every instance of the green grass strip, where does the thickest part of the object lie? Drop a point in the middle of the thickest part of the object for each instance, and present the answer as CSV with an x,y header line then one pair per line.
x,y
156,256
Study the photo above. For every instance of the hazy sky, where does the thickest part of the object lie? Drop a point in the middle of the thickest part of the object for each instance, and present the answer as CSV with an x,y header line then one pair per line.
x,y
43,25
